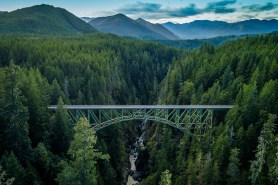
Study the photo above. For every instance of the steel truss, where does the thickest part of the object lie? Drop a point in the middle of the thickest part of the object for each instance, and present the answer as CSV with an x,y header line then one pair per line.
x,y
195,120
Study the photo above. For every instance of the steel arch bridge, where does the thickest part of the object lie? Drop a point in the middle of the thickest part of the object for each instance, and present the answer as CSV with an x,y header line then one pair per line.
x,y
194,119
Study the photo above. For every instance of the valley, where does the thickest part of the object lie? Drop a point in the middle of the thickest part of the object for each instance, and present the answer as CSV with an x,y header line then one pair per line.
x,y
57,59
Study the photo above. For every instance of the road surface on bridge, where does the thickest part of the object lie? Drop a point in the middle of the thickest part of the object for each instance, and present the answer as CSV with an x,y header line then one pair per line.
x,y
214,107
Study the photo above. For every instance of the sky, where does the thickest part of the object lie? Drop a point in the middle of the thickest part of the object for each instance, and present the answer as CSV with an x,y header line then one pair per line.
x,y
160,11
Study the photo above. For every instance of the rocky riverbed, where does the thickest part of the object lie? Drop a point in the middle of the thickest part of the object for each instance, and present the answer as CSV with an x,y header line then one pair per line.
x,y
134,176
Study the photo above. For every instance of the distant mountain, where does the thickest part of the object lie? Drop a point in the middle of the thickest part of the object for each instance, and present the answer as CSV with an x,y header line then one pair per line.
x,y
190,44
42,19
208,29
86,19
158,28
122,25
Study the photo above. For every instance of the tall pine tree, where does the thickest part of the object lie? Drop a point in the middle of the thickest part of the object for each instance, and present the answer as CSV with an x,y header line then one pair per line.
x,y
81,169
15,115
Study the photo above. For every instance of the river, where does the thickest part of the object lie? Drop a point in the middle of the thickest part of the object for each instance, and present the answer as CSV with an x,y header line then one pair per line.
x,y
133,175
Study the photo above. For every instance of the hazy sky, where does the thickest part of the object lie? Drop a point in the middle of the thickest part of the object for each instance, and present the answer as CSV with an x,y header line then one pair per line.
x,y
178,11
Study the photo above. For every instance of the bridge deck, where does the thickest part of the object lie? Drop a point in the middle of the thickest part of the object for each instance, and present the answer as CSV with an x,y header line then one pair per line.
x,y
215,107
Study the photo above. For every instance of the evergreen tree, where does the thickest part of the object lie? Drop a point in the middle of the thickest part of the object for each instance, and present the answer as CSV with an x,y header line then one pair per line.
x,y
81,169
42,162
166,178
273,171
15,115
13,168
60,130
265,142
208,172
108,173
101,68
38,113
216,173
55,93
181,160
233,167
32,176
191,172
3,178
248,103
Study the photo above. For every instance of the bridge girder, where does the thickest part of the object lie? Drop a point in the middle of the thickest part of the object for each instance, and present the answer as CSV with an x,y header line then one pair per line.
x,y
195,122
193,119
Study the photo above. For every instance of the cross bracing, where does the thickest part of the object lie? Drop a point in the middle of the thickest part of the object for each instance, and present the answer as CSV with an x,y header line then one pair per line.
x,y
194,119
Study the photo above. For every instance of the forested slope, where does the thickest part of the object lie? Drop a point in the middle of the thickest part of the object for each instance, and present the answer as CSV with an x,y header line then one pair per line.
x,y
197,43
91,69
42,19
36,71
243,73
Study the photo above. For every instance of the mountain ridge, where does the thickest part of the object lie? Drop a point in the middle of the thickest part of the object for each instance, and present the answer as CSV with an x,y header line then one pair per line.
x,y
202,29
158,28
42,19
197,29
47,19
122,25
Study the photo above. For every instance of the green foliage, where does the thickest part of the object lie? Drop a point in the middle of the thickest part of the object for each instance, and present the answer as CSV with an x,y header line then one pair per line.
x,y
42,156
3,180
60,130
84,69
197,43
234,73
165,178
13,168
117,150
186,93
265,142
42,19
105,69
34,88
32,177
14,116
42,162
81,169
233,170
273,169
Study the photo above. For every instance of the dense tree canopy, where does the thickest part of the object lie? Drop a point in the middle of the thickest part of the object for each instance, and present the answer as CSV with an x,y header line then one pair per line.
x,y
36,71
37,144
239,73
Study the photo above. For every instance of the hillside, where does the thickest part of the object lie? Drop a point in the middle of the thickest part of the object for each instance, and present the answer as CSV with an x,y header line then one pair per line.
x,y
84,69
42,19
158,28
122,25
197,43
239,73
208,29
105,69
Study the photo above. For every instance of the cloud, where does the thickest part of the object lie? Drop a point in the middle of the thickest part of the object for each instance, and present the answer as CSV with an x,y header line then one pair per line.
x,y
183,12
248,16
140,7
260,8
221,3
220,7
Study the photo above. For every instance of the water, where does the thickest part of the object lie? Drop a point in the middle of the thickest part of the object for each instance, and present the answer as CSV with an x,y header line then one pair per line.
x,y
133,174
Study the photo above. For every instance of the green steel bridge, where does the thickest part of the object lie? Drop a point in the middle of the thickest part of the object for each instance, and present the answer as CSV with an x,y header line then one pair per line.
x,y
194,119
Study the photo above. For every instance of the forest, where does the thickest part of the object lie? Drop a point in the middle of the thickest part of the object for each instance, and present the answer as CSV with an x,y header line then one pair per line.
x,y
197,43
39,146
